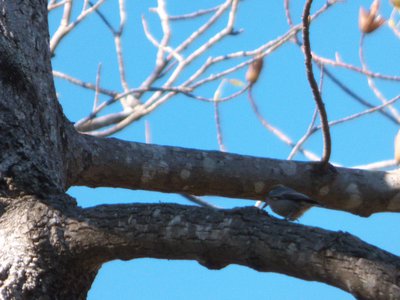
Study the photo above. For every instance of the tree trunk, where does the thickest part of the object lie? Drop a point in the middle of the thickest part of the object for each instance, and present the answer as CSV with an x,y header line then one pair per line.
x,y
35,259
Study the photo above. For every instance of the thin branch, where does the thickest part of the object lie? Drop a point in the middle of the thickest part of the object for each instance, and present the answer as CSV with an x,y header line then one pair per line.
x,y
339,63
363,113
104,19
312,130
65,25
309,131
279,134
286,4
392,22
380,165
195,14
304,138
53,5
218,126
222,8
162,13
153,40
147,132
356,97
371,83
217,37
313,84
96,94
129,101
81,126
83,84
199,201
158,98
157,71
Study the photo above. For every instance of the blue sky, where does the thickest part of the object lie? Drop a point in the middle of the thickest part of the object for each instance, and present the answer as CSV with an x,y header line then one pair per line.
x,y
284,98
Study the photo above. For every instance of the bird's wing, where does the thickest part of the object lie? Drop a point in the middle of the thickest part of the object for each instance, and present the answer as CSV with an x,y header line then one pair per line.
x,y
296,196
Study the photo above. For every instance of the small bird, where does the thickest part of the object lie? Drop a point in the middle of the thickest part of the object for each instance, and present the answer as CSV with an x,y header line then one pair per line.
x,y
289,203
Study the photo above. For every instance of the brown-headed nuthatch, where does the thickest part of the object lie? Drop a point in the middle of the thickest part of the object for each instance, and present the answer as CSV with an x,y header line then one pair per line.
x,y
288,203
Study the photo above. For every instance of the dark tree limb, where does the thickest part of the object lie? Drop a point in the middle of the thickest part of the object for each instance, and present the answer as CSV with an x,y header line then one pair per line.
x,y
61,246
243,236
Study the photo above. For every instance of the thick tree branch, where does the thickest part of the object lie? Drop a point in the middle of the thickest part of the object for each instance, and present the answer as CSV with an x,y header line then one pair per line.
x,y
99,162
246,236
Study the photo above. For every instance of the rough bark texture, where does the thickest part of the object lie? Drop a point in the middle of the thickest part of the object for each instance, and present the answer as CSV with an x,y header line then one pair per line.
x,y
30,117
35,256
60,246
248,237
176,170
52,249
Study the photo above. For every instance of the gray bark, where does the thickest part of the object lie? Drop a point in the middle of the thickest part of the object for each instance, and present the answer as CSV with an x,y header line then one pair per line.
x,y
177,170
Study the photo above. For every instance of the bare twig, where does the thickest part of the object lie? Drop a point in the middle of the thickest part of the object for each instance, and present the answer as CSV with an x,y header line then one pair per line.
x,y
305,137
392,22
356,97
158,70
310,128
147,132
66,26
220,139
199,201
153,40
357,115
162,13
339,63
195,14
150,103
53,5
83,84
371,83
313,84
365,112
128,101
286,4
380,165
217,116
279,134
167,90
105,20
80,124
156,100
96,94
